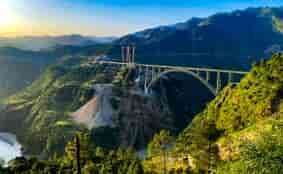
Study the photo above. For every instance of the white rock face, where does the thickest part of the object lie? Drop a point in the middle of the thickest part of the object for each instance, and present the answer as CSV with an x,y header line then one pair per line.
x,y
98,111
9,147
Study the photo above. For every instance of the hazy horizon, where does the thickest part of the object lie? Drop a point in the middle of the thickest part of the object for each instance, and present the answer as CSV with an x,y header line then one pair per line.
x,y
107,17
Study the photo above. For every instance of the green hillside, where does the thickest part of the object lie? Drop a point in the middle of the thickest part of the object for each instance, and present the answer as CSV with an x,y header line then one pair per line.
x,y
241,130
40,108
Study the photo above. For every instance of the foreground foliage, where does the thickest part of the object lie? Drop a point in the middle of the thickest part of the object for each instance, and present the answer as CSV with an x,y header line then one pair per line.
x,y
241,130
93,160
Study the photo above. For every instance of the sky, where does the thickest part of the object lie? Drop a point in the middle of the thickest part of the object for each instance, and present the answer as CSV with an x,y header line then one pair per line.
x,y
107,17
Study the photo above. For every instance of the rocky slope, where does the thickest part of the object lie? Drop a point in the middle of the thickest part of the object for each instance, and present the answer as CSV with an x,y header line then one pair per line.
x,y
98,112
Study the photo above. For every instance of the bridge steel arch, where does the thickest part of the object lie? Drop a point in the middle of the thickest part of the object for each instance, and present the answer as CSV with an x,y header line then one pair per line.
x,y
189,72
163,70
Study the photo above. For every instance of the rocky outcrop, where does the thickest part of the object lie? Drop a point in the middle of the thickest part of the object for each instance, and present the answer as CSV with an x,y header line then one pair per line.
x,y
134,115
98,112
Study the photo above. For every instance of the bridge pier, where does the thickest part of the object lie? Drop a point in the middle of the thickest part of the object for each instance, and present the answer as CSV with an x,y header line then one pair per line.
x,y
128,55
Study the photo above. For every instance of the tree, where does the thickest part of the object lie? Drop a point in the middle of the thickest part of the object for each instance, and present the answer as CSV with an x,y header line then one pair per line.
x,y
135,168
106,169
79,151
263,156
159,145
160,141
3,171
19,165
90,168
99,152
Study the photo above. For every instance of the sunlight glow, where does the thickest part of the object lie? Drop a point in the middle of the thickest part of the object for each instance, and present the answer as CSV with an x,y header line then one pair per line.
x,y
8,18
6,15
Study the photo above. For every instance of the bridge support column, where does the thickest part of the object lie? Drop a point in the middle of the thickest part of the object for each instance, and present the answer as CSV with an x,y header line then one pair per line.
x,y
159,71
139,70
198,73
133,54
128,54
207,76
230,78
146,80
152,73
218,83
123,53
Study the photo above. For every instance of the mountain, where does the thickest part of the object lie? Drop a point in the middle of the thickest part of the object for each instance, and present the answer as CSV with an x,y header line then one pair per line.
x,y
19,68
36,43
224,40
104,40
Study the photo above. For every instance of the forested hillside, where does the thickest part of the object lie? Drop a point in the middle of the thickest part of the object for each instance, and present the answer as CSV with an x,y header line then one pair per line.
x,y
241,130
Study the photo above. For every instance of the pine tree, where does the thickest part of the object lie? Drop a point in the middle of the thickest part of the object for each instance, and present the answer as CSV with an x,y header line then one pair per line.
x,y
135,168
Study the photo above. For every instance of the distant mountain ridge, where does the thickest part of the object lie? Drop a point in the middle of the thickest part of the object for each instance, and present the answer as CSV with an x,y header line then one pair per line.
x,y
36,43
19,68
231,40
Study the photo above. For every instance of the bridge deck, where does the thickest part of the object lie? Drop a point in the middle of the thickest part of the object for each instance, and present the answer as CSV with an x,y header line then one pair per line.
x,y
182,68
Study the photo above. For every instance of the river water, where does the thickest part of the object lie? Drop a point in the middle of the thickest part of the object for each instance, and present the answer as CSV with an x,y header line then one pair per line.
x,y
10,148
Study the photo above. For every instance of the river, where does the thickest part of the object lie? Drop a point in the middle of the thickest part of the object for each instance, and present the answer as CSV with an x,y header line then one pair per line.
x,y
10,148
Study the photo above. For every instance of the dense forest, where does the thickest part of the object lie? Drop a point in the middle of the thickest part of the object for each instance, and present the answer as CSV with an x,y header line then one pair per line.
x,y
239,132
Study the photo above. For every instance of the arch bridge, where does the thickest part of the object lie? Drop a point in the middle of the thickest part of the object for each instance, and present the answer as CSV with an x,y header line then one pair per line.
x,y
153,73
